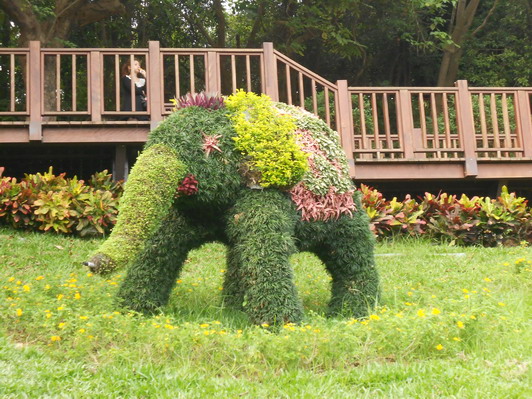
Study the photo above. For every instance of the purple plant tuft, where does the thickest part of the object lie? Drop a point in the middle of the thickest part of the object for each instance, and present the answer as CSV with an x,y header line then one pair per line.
x,y
202,99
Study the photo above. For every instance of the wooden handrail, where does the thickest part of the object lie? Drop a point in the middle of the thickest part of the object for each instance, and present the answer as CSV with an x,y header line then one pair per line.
x,y
400,124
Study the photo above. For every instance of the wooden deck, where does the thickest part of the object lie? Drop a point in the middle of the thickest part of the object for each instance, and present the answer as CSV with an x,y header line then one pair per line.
x,y
72,96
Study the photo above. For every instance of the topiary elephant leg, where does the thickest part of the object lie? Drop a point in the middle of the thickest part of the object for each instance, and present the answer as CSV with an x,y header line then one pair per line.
x,y
233,287
261,234
347,252
153,274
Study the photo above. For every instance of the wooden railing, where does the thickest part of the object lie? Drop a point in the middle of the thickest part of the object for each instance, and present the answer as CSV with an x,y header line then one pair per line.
x,y
44,88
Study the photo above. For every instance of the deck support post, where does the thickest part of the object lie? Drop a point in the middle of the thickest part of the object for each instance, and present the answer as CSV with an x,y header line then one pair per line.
x,y
35,91
212,73
155,83
270,71
406,120
95,77
523,118
345,123
120,166
466,125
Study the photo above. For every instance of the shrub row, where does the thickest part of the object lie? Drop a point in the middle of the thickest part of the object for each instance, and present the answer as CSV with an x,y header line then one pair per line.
x,y
68,205
506,220
65,205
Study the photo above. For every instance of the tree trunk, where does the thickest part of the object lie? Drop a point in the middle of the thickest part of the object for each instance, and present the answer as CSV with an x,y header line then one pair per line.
x,y
463,18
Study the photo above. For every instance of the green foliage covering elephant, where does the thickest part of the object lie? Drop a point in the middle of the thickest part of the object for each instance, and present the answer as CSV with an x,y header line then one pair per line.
x,y
266,179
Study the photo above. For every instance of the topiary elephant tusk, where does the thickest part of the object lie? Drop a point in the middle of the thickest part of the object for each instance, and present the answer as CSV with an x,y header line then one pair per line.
x,y
266,179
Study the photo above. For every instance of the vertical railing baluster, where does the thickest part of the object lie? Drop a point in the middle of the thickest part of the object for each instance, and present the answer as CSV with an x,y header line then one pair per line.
x,y
314,97
483,123
375,116
12,82
423,121
288,84
506,122
58,82
386,114
176,74
435,130
446,123
74,84
361,110
233,74
248,73
133,89
495,123
301,91
192,74
327,108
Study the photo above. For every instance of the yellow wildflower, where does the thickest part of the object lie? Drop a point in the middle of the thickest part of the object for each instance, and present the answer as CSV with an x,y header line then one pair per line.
x,y
435,311
421,313
439,347
374,317
55,338
460,324
77,295
39,278
19,312
26,288
61,325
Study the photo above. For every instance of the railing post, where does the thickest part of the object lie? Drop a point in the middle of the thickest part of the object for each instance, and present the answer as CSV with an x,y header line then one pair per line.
x,y
213,73
523,119
271,87
406,124
466,124
345,124
155,87
95,87
35,91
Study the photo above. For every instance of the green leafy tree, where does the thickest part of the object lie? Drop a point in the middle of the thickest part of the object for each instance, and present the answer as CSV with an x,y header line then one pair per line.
x,y
50,22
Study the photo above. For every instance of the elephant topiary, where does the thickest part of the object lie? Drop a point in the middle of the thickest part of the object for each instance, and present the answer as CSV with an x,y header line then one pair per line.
x,y
267,179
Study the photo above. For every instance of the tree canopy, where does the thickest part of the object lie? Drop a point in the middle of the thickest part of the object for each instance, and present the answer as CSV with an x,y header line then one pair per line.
x,y
378,42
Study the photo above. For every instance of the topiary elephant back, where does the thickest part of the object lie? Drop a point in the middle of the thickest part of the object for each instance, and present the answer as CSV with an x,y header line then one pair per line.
x,y
267,179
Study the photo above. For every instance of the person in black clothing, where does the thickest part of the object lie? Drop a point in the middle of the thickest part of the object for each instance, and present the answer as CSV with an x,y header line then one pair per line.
x,y
138,76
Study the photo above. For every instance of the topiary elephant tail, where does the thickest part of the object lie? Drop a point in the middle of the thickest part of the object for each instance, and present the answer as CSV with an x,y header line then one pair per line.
x,y
146,201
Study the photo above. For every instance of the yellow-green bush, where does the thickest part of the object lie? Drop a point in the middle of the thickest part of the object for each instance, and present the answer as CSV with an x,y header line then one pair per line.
x,y
266,138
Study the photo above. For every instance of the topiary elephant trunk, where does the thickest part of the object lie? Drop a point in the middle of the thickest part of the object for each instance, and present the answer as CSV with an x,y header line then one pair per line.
x,y
266,179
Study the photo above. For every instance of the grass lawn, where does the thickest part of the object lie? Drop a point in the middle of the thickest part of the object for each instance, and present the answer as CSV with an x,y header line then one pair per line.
x,y
453,322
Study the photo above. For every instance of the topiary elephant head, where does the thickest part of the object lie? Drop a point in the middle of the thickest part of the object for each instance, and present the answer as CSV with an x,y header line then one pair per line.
x,y
265,178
